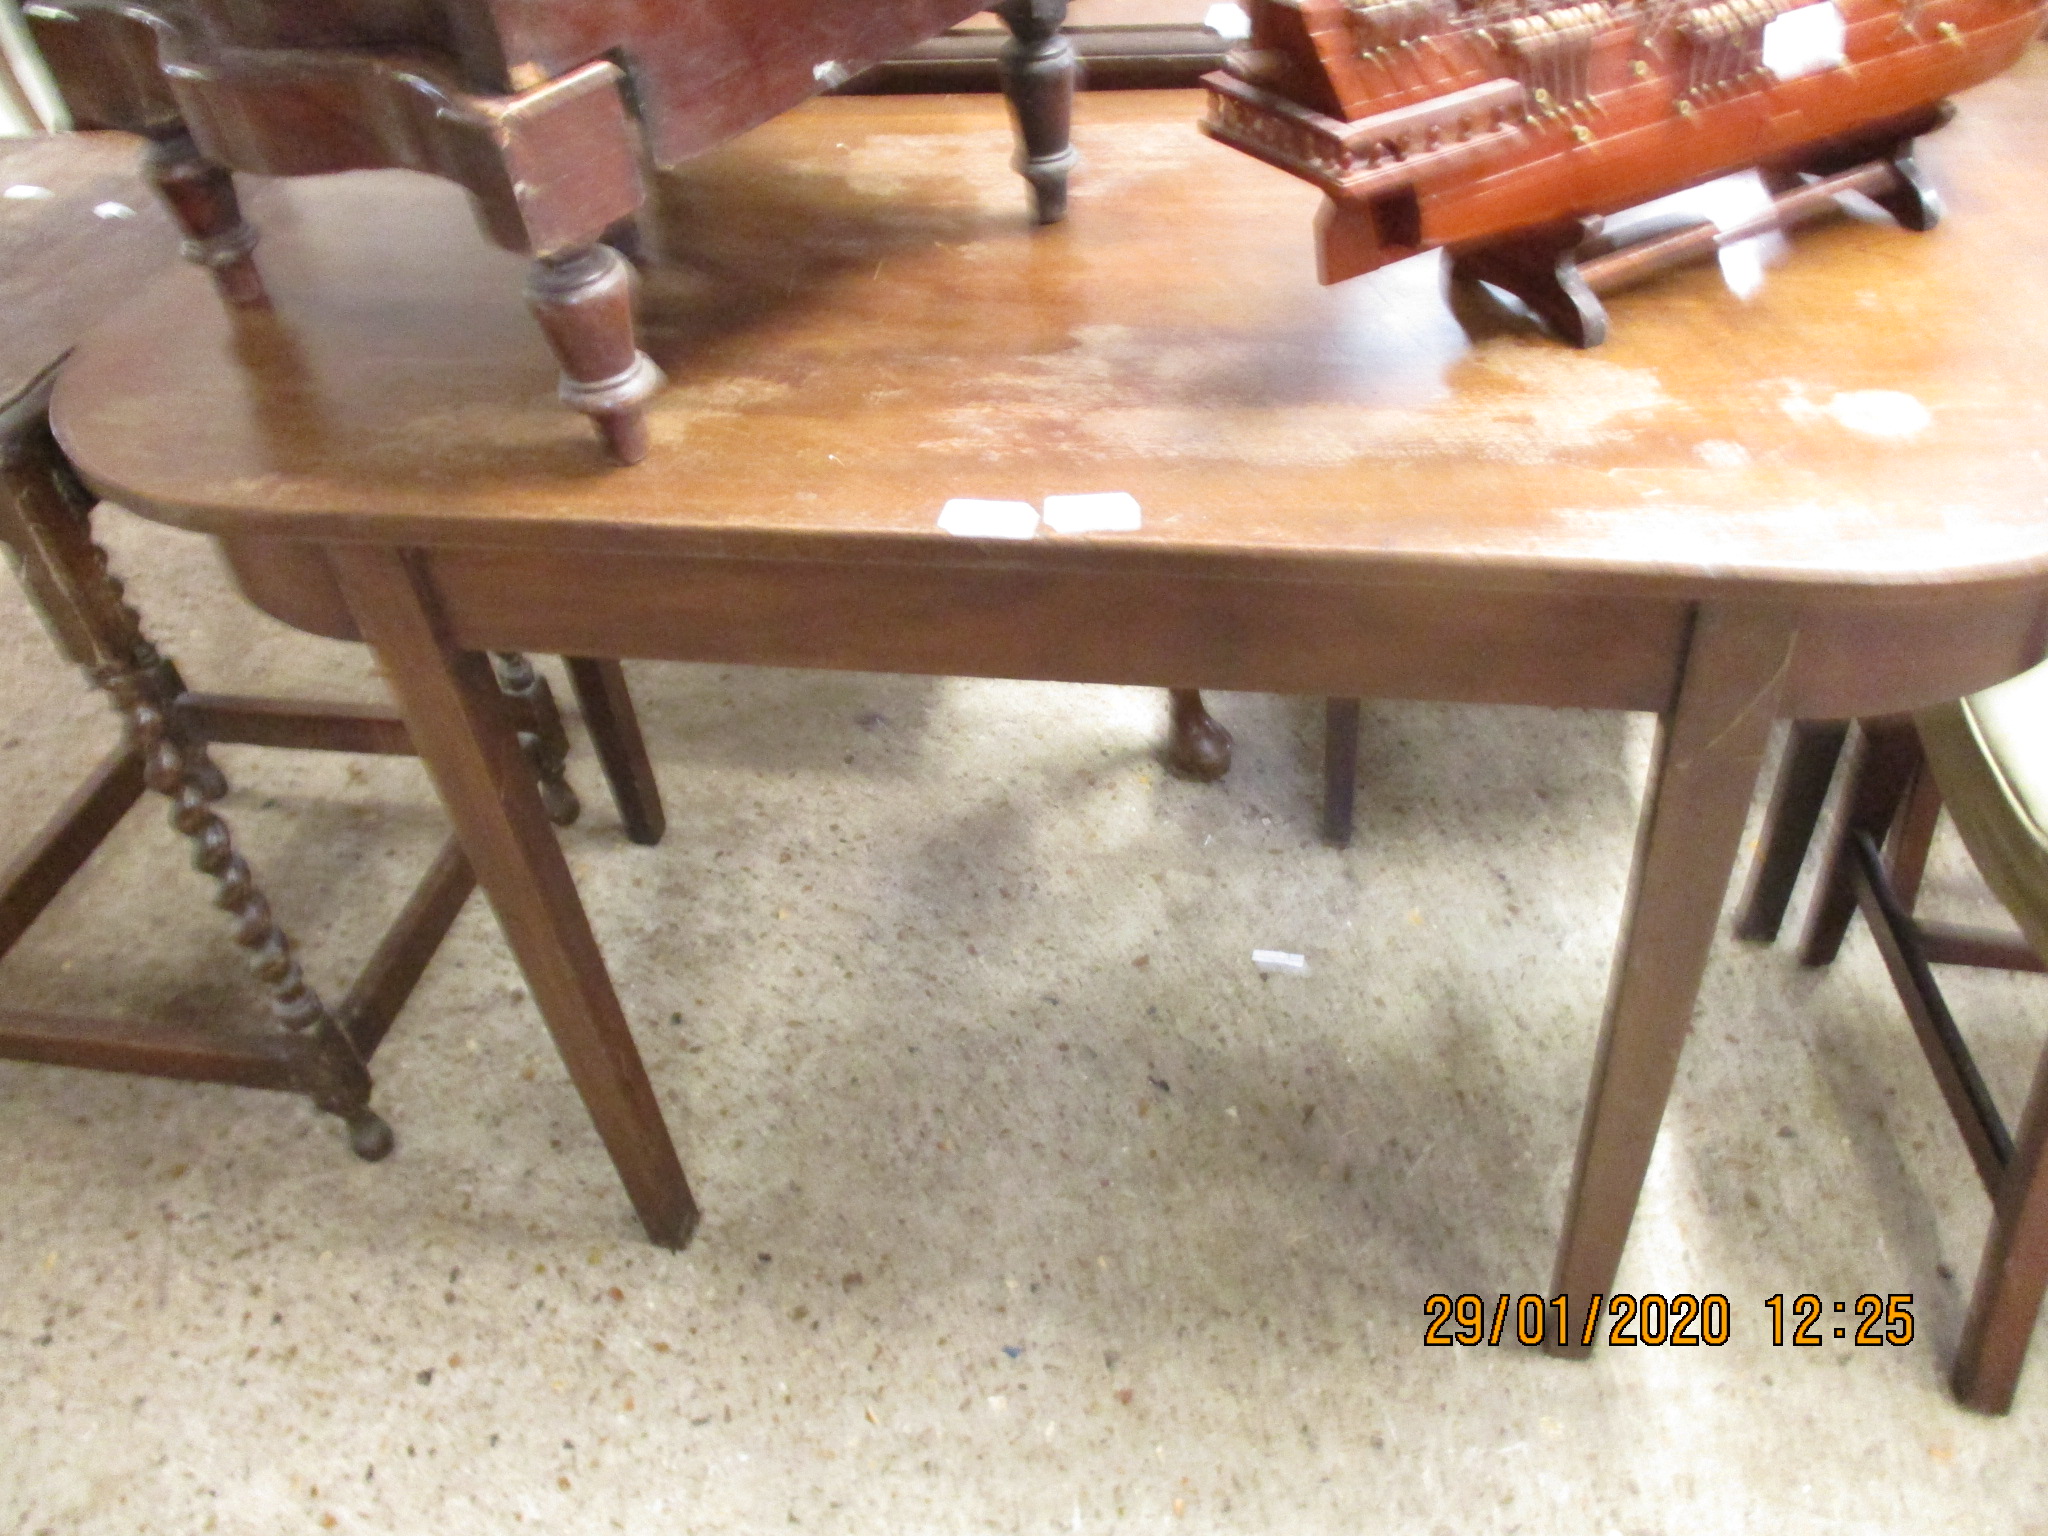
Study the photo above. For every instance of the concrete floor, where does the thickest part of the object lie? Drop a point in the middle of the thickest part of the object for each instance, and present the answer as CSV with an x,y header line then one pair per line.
x,y
1030,1205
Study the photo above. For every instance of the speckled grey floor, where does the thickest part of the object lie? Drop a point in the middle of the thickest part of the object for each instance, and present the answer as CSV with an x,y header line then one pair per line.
x,y
1030,1205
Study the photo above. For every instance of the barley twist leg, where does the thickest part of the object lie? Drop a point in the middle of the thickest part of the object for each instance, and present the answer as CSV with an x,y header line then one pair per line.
x,y
337,1082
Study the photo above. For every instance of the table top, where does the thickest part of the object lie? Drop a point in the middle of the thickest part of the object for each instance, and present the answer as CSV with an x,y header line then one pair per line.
x,y
79,232
860,324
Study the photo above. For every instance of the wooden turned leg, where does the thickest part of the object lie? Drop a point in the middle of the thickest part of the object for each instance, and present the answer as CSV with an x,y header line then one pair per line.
x,y
201,197
1196,746
1340,769
614,727
458,723
1812,749
2014,1273
1039,70
542,735
1710,747
338,1083
583,300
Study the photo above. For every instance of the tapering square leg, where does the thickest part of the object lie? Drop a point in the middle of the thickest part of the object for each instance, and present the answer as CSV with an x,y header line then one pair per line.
x,y
452,708
1812,749
614,727
1710,748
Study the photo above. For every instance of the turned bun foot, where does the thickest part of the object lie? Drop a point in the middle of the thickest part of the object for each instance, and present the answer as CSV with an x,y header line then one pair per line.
x,y
1048,180
369,1137
583,300
1196,747
558,798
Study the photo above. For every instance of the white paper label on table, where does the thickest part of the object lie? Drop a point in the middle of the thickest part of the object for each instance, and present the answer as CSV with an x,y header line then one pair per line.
x,y
975,519
24,191
1098,512
1805,41
113,211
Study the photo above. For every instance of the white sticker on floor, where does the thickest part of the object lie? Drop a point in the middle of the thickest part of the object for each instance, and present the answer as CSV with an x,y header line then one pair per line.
x,y
1278,962
1097,512
973,519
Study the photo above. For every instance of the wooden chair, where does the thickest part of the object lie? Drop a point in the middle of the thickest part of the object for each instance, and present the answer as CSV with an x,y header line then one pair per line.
x,y
62,259
1985,759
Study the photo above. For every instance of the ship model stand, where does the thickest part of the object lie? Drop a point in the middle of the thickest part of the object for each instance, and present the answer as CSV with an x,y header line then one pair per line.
x,y
1504,131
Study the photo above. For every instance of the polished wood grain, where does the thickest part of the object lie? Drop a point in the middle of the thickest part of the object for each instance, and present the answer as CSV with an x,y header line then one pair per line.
x,y
1820,502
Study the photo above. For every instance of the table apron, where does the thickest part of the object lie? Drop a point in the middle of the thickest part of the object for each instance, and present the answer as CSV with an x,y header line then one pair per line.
x,y
1887,650
1160,629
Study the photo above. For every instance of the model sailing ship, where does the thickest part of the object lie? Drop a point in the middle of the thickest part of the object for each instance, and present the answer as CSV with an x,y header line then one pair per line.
x,y
1505,130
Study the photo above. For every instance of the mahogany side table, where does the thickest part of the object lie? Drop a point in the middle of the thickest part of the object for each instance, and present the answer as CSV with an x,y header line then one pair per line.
x,y
78,233
1824,502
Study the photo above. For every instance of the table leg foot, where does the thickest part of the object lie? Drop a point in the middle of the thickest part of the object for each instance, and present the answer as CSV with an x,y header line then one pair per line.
x,y
1196,746
1710,748
369,1136
583,300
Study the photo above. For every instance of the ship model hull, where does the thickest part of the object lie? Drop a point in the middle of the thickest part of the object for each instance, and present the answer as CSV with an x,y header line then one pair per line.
x,y
1504,131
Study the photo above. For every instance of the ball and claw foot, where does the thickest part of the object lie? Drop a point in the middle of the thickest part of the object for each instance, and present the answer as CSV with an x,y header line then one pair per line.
x,y
369,1137
1197,747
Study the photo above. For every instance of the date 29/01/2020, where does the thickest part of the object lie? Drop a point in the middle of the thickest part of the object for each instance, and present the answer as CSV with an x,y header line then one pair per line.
x,y
1652,1319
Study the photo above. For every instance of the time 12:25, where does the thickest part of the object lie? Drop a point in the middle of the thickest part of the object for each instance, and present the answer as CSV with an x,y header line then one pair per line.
x,y
1883,1320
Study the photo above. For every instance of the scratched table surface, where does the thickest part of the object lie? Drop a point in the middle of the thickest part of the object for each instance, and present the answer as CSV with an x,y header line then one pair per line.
x,y
853,309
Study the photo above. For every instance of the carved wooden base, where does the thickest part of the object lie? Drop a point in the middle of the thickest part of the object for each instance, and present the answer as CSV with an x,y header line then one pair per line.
x,y
1560,271
584,303
1541,268
201,197
1196,746
1038,71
